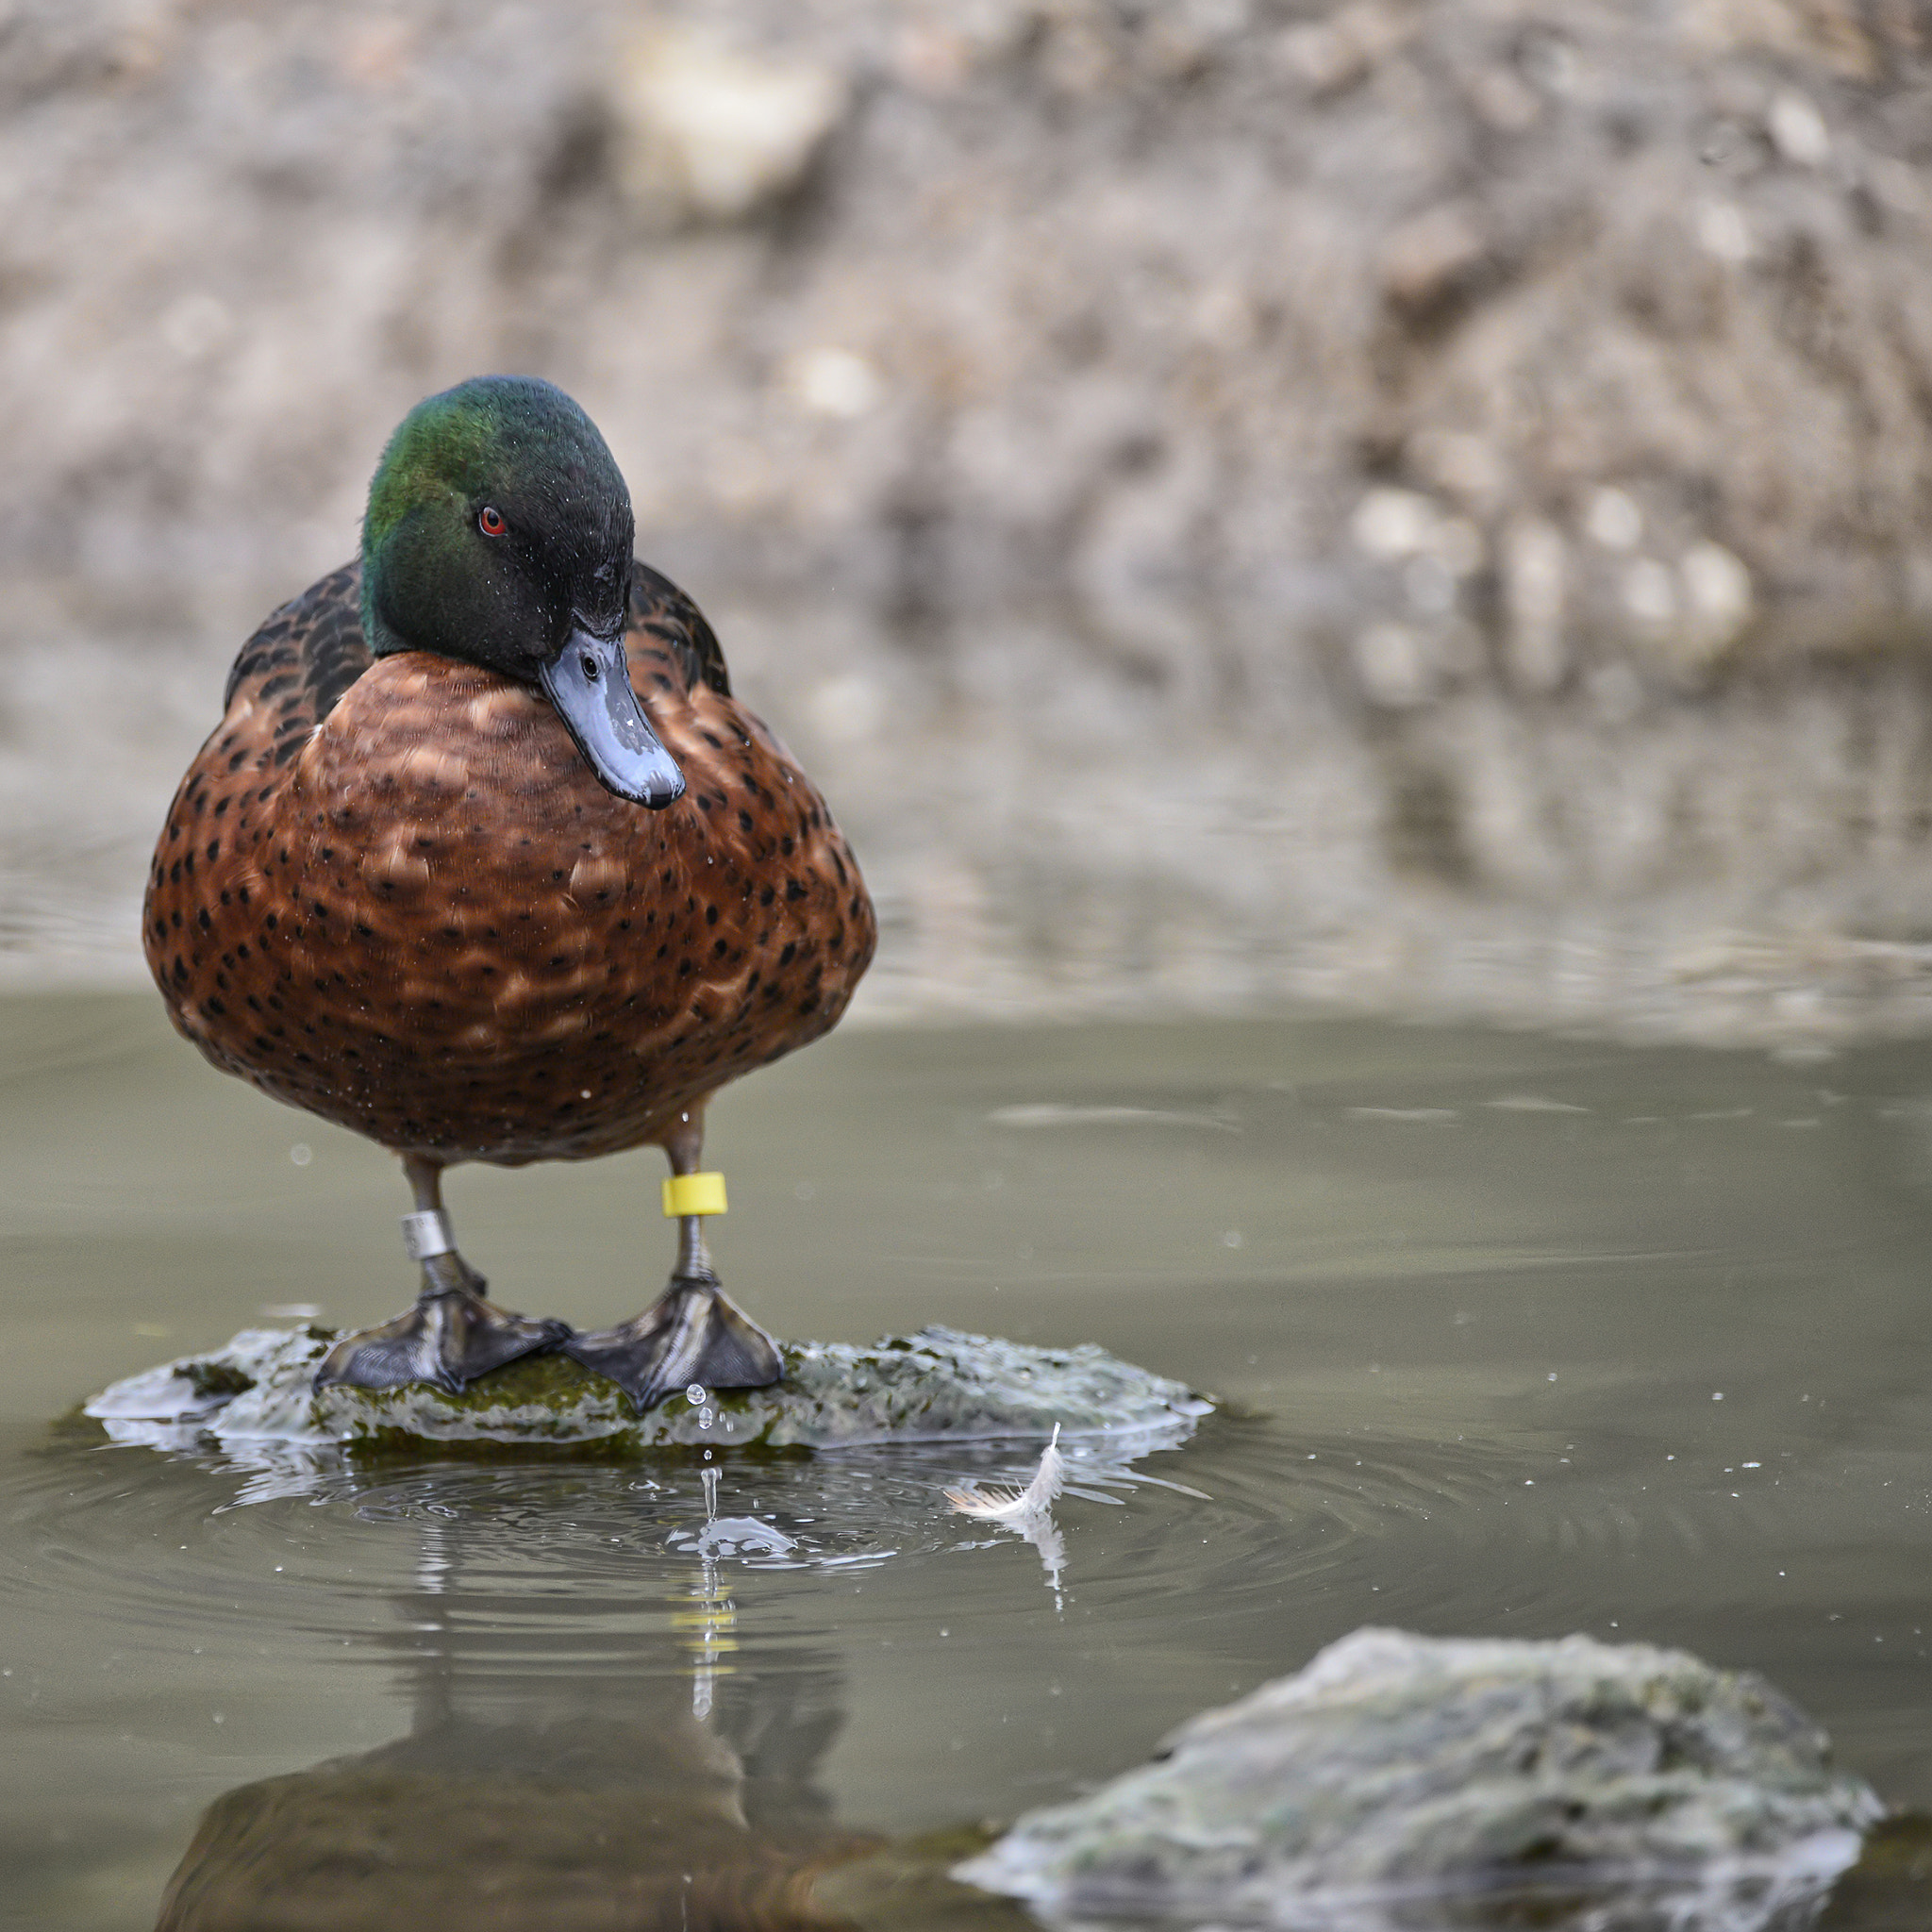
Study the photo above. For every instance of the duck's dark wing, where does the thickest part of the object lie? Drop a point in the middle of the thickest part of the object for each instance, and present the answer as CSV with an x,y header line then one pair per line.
x,y
311,651
660,608
306,653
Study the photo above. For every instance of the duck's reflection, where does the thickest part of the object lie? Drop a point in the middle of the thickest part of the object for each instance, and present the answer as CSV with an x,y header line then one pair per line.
x,y
648,1786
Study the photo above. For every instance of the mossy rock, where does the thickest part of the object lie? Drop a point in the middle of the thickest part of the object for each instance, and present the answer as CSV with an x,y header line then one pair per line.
x,y
938,1385
1602,1787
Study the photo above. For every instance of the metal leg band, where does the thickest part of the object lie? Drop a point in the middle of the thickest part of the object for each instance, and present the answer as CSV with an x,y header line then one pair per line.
x,y
427,1235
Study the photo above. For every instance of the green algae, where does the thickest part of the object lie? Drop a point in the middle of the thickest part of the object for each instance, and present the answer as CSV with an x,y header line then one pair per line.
x,y
218,1379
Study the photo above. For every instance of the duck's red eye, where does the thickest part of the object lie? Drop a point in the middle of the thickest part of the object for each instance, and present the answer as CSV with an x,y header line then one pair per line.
x,y
489,521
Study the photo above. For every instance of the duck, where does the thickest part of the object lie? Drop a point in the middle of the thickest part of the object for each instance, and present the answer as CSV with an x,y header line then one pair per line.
x,y
486,862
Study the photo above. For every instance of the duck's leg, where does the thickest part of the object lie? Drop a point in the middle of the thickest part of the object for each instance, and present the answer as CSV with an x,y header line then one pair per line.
x,y
693,1332
452,1335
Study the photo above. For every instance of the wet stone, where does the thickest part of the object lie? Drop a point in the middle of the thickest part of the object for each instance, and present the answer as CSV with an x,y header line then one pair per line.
x,y
938,1385
1403,1781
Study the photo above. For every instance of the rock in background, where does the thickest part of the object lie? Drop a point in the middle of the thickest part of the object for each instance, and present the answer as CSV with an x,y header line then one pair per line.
x,y
1404,505
1396,1772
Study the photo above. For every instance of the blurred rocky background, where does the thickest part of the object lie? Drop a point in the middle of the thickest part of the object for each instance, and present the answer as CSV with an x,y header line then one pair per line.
x,y
1419,507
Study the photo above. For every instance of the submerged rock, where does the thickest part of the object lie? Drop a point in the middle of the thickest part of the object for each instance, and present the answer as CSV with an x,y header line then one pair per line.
x,y
1890,1889
1395,1770
936,1384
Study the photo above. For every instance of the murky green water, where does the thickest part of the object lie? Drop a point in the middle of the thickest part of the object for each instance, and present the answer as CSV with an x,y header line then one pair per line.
x,y
1516,1336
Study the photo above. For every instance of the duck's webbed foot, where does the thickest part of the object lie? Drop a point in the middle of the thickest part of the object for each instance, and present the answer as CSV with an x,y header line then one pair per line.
x,y
452,1335
694,1332
449,1338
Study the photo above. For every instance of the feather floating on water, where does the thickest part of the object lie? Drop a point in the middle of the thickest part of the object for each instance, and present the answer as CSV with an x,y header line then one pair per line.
x,y
1003,1503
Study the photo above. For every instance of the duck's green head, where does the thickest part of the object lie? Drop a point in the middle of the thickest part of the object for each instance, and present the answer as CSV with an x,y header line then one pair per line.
x,y
499,531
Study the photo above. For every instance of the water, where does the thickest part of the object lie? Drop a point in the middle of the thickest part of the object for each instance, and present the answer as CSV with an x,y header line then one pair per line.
x,y
1514,1335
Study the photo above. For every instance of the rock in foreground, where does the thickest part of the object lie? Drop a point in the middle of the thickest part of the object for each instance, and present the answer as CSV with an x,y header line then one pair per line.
x,y
936,1384
1395,1770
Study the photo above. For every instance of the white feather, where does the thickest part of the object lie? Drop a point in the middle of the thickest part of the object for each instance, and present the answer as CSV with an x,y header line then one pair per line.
x,y
1003,1503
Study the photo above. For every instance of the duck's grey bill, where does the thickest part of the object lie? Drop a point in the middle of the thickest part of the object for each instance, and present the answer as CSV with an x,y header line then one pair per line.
x,y
589,685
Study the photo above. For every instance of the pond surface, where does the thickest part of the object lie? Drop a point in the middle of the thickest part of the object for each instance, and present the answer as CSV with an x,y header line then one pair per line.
x,y
1514,1335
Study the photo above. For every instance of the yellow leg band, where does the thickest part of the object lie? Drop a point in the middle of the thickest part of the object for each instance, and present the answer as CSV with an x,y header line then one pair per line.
x,y
693,1193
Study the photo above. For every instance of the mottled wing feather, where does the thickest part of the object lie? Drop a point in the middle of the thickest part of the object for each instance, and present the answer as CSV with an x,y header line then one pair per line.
x,y
659,608
312,650
308,653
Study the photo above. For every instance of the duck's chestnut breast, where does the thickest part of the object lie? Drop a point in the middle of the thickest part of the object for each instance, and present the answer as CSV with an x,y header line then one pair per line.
x,y
431,923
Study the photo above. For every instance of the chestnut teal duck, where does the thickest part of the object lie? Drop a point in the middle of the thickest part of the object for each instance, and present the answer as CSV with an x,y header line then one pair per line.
x,y
485,861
